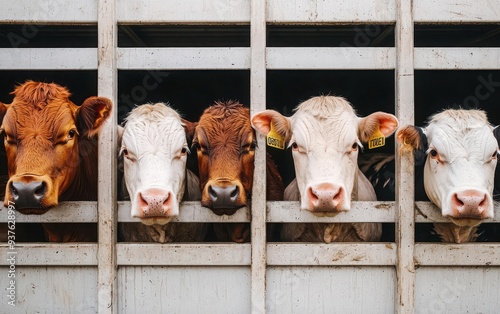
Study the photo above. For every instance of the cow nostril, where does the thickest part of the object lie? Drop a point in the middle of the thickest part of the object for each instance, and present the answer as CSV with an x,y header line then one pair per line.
x,y
40,191
14,192
234,193
313,194
142,201
212,193
483,202
457,200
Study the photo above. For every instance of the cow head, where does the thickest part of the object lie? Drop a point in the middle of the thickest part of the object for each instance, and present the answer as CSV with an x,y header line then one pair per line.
x,y
155,150
325,135
225,144
45,137
460,155
496,189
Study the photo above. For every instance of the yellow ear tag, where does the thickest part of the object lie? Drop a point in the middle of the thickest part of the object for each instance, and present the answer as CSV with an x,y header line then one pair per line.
x,y
275,140
377,140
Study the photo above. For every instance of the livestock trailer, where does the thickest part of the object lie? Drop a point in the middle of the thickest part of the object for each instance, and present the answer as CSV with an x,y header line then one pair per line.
x,y
405,57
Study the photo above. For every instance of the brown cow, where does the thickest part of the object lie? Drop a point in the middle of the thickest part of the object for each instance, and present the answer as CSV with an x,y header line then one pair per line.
x,y
51,146
225,143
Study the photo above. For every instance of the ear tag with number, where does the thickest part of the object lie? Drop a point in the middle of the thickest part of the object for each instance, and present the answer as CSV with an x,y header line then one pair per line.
x,y
377,140
274,139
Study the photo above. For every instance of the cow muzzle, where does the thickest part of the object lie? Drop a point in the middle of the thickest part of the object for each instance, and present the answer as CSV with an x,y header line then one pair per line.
x,y
155,204
326,198
29,194
223,197
469,207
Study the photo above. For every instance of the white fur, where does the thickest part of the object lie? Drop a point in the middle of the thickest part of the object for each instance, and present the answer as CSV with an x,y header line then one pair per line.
x,y
325,129
154,136
465,143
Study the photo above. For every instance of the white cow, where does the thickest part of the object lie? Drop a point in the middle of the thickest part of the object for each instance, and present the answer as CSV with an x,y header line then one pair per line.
x,y
461,155
154,150
325,135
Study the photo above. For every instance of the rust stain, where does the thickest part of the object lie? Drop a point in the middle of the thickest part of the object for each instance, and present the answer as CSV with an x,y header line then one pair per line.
x,y
339,255
383,206
358,258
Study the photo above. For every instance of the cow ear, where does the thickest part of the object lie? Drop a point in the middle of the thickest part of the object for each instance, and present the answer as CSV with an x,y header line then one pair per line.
x,y
496,133
3,111
262,122
368,126
92,114
413,139
190,128
119,134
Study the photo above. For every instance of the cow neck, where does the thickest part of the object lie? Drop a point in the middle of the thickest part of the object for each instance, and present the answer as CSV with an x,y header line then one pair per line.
x,y
84,186
452,233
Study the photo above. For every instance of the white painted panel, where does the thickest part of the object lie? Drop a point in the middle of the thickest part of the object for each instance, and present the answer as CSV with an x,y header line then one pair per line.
x,y
464,254
184,290
290,211
189,212
186,11
457,290
203,254
428,212
183,58
57,254
51,290
457,58
53,11
325,11
301,290
354,254
456,11
48,58
65,212
330,58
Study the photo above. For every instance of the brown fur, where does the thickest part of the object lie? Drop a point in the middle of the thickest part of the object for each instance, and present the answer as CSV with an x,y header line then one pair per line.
x,y
409,137
224,130
36,127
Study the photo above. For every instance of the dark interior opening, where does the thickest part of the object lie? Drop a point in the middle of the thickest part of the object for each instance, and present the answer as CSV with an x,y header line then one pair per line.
x,y
190,92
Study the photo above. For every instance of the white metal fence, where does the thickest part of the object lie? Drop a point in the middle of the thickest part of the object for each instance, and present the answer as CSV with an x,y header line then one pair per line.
x,y
111,277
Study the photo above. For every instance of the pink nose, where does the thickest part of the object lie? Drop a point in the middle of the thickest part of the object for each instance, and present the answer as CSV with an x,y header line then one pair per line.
x,y
325,197
154,202
471,204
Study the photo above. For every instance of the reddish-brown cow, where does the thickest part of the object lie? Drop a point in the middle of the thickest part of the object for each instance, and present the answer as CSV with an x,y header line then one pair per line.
x,y
51,146
225,143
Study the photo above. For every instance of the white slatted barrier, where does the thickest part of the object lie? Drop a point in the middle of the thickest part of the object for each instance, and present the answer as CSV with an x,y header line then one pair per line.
x,y
262,276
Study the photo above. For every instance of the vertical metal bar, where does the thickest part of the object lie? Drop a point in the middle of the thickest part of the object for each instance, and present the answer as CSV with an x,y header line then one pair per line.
x,y
405,196
107,87
258,103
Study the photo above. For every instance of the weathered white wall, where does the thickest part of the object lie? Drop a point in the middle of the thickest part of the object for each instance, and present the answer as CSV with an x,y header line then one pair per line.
x,y
151,289
297,290
51,290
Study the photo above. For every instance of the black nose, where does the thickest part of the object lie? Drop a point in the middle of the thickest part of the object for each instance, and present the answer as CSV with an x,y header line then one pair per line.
x,y
223,197
28,195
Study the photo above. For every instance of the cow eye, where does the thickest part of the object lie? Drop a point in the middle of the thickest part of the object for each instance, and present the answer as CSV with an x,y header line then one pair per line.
x,y
495,154
354,147
253,145
71,134
184,151
295,146
125,152
433,153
